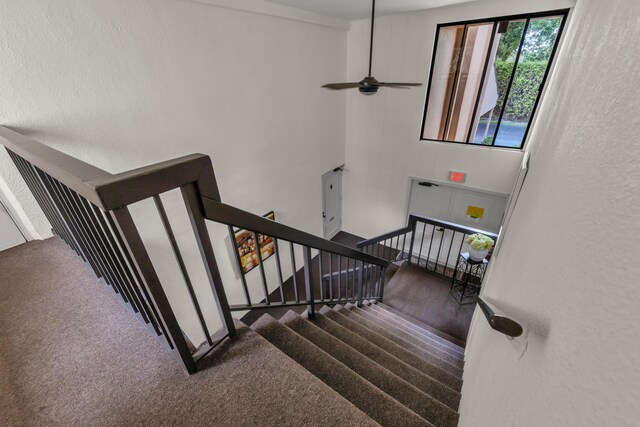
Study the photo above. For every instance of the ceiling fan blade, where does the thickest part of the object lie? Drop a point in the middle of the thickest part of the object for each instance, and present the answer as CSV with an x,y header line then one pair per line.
x,y
336,86
399,84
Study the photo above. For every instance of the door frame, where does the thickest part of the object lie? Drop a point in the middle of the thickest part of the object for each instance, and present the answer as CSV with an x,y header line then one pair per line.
x,y
442,184
334,170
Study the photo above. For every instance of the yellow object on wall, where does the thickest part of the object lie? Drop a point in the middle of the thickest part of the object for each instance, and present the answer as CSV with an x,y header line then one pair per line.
x,y
474,213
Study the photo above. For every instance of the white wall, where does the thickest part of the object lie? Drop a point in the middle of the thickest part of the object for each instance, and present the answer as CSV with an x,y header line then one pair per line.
x,y
125,83
568,267
383,131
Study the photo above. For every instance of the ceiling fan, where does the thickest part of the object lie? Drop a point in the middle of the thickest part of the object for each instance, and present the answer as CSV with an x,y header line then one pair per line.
x,y
369,85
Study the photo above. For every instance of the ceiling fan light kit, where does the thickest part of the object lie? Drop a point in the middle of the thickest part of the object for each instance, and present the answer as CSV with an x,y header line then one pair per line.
x,y
369,85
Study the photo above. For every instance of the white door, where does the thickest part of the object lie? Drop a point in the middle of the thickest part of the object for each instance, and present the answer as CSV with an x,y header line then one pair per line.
x,y
493,207
429,199
10,234
332,203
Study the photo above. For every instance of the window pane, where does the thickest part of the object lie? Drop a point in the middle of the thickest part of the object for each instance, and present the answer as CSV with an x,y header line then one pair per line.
x,y
457,74
532,66
442,80
501,63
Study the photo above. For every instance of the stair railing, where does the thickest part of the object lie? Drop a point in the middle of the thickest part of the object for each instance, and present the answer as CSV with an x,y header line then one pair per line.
x,y
88,208
428,243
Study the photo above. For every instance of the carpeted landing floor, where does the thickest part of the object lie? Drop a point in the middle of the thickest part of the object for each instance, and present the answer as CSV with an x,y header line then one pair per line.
x,y
71,355
420,294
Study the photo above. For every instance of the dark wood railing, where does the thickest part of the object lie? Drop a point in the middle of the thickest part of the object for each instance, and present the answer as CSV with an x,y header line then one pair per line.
x,y
88,208
425,242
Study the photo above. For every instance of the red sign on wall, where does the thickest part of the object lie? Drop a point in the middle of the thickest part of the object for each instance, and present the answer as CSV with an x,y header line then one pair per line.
x,y
457,176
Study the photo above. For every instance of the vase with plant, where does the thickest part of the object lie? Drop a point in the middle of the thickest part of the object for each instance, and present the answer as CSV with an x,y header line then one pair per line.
x,y
479,246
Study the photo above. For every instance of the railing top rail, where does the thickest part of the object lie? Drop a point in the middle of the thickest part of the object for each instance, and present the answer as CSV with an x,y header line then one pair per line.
x,y
111,191
435,221
384,236
229,215
451,225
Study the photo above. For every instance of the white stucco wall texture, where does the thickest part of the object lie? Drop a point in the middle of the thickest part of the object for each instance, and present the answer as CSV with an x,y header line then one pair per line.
x,y
383,148
568,266
122,84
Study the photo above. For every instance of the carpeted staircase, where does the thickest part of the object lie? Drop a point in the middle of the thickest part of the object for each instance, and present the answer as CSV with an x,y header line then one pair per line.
x,y
387,365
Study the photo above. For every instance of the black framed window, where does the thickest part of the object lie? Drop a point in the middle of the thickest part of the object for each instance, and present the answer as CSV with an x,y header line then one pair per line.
x,y
487,76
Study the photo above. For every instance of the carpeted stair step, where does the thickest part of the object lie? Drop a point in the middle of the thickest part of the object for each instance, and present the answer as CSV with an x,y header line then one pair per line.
x,y
364,395
411,320
274,371
429,385
421,335
452,356
443,361
419,402
396,350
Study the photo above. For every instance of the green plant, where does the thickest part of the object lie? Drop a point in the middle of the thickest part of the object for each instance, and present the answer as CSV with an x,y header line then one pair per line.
x,y
479,242
487,141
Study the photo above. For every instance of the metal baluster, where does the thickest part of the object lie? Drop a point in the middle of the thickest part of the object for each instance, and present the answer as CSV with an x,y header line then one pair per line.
x,y
65,206
330,276
124,268
183,268
424,228
45,202
370,281
142,263
135,273
265,288
311,308
414,226
372,272
110,276
193,202
293,266
320,275
102,245
433,232
446,264
397,245
243,279
360,284
404,245
103,237
339,277
279,268
444,232
349,287
381,287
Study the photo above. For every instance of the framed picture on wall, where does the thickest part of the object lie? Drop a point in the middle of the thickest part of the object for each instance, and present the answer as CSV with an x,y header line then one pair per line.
x,y
246,247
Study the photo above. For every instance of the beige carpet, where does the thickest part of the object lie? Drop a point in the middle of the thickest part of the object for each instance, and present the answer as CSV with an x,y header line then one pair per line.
x,y
71,355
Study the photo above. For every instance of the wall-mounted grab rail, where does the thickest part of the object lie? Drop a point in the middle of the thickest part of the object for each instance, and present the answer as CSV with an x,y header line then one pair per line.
x,y
499,322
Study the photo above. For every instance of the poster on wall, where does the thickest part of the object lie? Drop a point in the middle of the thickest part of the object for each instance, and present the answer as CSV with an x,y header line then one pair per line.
x,y
246,247
474,213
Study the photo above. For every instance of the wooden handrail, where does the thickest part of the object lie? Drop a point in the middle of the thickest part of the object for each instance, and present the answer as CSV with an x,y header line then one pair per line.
x,y
450,225
413,219
72,193
226,214
385,236
111,191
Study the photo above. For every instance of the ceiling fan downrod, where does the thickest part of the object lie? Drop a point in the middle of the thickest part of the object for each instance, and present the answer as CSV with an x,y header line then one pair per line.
x,y
369,85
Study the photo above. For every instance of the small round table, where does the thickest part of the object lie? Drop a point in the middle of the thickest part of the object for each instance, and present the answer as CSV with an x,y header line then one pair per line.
x,y
467,278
